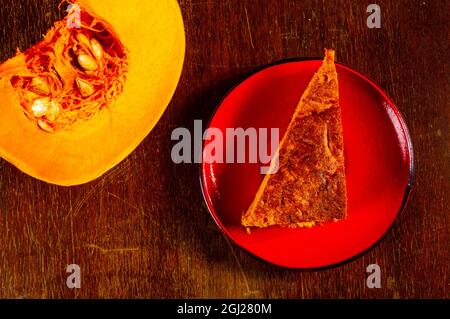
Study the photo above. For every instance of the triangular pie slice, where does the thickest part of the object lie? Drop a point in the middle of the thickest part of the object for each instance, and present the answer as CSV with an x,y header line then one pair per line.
x,y
309,187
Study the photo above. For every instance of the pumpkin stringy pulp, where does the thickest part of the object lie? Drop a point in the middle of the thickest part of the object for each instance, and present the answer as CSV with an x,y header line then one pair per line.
x,y
71,75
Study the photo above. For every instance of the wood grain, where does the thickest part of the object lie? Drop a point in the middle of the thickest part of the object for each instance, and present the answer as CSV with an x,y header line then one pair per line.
x,y
142,230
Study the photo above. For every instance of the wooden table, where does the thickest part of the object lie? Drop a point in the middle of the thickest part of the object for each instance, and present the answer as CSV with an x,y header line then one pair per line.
x,y
143,230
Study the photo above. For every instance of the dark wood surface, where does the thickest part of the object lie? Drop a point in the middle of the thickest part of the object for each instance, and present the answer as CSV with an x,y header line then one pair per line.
x,y
143,231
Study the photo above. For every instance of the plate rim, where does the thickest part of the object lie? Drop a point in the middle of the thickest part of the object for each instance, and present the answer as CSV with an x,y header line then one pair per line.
x,y
406,194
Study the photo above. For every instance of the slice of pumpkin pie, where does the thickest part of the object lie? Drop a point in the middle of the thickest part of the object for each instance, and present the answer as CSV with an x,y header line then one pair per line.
x,y
309,187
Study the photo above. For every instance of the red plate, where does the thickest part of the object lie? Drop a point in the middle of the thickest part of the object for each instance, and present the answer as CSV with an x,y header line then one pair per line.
x,y
378,158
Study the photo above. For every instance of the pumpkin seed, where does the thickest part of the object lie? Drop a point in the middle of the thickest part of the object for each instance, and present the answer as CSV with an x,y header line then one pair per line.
x,y
83,39
40,107
39,86
85,88
30,96
52,112
44,126
87,62
97,49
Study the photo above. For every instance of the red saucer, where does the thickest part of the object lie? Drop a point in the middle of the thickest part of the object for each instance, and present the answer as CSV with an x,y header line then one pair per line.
x,y
379,167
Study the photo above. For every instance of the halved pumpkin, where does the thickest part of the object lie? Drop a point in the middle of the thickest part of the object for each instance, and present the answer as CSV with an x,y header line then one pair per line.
x,y
111,107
